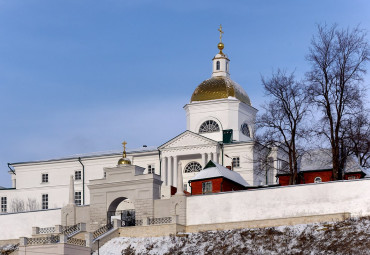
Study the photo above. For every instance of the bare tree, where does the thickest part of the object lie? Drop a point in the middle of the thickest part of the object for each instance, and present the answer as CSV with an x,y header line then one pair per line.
x,y
356,138
17,205
338,58
281,123
32,204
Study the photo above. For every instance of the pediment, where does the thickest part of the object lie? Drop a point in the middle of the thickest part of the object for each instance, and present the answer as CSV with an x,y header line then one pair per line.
x,y
188,139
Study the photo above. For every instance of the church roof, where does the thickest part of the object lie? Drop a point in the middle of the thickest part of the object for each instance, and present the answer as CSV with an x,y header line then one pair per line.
x,y
219,87
213,170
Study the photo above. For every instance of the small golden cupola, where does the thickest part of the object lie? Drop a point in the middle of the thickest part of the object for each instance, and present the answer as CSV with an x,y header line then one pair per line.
x,y
124,160
220,85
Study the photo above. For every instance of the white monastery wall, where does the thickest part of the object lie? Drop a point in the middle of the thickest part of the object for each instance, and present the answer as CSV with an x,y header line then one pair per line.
x,y
282,202
15,225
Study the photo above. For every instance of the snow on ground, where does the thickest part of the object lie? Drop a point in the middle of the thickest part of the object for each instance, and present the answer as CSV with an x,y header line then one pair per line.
x,y
346,237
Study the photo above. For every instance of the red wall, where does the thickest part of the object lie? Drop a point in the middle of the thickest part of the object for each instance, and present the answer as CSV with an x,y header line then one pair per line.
x,y
309,177
284,180
196,186
356,175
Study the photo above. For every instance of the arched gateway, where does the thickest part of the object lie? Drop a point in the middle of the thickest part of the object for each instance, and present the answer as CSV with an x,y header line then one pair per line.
x,y
126,193
122,208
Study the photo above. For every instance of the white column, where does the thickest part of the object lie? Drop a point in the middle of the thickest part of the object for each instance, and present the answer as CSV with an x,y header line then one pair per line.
x,y
203,160
165,159
169,171
175,181
215,157
180,185
209,157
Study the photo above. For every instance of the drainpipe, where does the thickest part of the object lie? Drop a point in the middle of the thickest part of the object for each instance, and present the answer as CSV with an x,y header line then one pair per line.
x,y
11,168
83,181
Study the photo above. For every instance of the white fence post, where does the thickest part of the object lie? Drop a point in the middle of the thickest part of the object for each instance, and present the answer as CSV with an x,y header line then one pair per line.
x,y
35,230
23,241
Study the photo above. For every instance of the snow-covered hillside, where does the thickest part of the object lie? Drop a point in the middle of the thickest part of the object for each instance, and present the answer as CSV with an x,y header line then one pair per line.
x,y
346,237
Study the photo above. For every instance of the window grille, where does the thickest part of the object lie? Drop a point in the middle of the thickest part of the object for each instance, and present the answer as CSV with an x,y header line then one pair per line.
x,y
45,201
236,162
45,178
206,187
151,169
209,126
77,175
4,204
318,179
78,197
245,129
193,167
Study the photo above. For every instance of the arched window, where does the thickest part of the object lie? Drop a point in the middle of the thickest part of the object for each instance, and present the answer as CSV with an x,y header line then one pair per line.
x,y
245,130
192,167
317,179
218,65
209,126
227,66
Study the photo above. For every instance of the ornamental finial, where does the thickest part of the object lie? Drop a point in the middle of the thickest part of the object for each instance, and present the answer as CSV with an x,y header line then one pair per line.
x,y
220,45
124,149
221,32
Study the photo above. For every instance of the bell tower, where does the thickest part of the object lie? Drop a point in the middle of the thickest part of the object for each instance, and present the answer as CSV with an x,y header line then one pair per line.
x,y
220,61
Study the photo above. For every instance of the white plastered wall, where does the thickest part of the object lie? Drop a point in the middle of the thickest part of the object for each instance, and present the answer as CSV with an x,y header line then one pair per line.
x,y
14,226
281,202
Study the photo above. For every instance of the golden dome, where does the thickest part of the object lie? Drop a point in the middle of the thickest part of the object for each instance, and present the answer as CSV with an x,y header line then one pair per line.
x,y
219,87
124,160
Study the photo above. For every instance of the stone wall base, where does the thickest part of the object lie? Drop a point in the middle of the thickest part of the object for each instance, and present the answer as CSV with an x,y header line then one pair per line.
x,y
151,231
59,248
269,222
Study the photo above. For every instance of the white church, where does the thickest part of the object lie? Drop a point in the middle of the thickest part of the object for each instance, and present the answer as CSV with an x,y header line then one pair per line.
x,y
54,201
220,126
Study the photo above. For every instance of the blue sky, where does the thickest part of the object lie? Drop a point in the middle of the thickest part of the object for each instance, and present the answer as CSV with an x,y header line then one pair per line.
x,y
82,76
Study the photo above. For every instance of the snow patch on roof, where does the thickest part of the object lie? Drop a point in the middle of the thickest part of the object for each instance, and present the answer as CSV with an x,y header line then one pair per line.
x,y
219,171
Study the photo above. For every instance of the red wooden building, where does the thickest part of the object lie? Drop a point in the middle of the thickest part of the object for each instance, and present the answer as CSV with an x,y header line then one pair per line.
x,y
216,178
316,166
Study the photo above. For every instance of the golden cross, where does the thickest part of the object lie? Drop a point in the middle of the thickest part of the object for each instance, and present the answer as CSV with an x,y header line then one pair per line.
x,y
221,32
124,145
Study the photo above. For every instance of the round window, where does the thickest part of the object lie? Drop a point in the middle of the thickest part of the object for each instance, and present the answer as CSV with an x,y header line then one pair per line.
x,y
193,167
318,179
209,126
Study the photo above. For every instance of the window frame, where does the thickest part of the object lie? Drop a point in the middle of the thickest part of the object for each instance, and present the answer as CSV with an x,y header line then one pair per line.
x,y
78,197
4,205
78,173
207,187
151,169
45,201
218,65
45,180
236,161
244,128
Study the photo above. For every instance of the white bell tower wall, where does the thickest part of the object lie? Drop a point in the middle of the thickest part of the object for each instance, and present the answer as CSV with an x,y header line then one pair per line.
x,y
229,113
